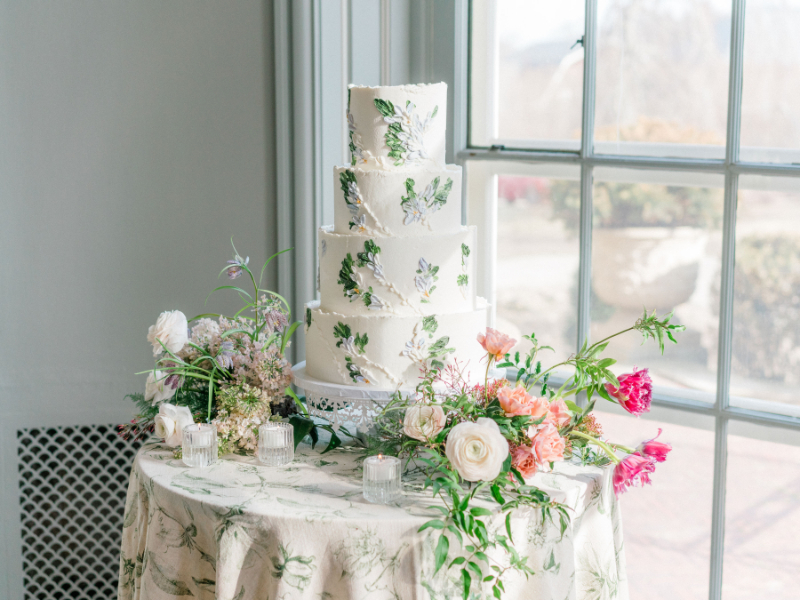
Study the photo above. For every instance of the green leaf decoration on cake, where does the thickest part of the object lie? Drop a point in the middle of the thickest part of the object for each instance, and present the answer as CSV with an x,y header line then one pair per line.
x,y
406,132
351,344
357,374
354,287
430,325
425,279
419,206
308,317
353,199
463,280
464,254
356,151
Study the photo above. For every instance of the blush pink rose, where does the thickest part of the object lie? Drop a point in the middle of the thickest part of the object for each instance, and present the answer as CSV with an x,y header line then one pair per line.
x,y
495,343
558,414
654,449
524,460
517,401
635,391
548,445
633,470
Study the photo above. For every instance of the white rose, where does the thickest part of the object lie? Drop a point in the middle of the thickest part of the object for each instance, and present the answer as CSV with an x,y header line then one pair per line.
x,y
477,450
172,329
156,390
423,422
170,422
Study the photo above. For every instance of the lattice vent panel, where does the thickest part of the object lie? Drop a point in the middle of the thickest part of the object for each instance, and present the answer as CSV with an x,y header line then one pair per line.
x,y
72,483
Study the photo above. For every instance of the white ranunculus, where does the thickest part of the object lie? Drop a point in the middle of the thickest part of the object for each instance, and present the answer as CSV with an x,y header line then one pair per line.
x,y
170,422
155,390
477,450
423,422
172,329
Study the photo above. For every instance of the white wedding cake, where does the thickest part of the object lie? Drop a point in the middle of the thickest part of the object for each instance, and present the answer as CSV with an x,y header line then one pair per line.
x,y
396,269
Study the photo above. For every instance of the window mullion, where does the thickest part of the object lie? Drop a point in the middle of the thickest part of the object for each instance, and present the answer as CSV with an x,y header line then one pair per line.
x,y
587,149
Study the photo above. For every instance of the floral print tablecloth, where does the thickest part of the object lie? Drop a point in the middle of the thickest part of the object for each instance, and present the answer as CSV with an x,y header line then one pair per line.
x,y
242,531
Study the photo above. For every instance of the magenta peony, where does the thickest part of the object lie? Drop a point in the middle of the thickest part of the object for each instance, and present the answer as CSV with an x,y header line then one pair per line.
x,y
653,449
495,343
634,393
632,470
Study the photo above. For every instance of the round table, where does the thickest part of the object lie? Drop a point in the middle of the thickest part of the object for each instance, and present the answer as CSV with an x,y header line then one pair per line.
x,y
242,531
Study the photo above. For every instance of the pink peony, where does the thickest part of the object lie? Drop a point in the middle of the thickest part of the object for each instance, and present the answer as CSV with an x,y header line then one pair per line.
x,y
634,393
558,414
495,343
524,460
517,401
633,470
656,450
548,445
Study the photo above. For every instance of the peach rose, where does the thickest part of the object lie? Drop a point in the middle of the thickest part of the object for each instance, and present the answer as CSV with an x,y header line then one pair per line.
x,y
524,460
517,401
548,445
495,343
558,414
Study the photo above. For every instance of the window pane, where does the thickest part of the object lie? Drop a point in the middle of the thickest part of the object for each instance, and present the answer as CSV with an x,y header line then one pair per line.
x,y
662,77
770,112
537,264
526,73
766,330
656,244
762,515
667,524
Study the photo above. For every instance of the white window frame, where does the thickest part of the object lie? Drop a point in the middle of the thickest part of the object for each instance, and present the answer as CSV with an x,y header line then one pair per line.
x,y
481,207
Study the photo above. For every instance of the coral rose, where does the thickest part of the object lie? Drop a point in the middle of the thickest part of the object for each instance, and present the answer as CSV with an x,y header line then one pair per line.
x,y
635,391
517,401
477,450
423,422
654,449
495,343
558,414
548,446
524,460
632,470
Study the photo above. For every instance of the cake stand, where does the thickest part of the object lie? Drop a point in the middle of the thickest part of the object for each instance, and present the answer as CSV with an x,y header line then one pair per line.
x,y
349,404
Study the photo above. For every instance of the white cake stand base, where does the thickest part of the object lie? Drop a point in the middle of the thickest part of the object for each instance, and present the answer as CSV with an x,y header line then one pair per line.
x,y
348,404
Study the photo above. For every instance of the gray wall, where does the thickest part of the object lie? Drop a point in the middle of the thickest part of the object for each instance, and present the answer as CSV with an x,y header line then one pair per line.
x,y
135,139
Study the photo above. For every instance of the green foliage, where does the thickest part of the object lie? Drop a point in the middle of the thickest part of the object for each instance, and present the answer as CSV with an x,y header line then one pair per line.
x,y
430,325
462,280
396,146
639,205
433,203
767,296
370,247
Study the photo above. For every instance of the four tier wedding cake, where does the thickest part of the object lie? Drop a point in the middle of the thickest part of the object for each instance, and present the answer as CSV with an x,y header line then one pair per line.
x,y
396,269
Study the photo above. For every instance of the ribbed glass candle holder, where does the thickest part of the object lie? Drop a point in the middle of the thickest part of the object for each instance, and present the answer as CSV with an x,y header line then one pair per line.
x,y
381,479
200,446
276,443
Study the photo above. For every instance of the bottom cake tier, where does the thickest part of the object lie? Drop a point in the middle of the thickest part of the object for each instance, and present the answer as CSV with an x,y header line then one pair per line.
x,y
387,351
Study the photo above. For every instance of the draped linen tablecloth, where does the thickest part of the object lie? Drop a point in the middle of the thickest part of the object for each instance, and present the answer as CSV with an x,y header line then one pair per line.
x,y
242,531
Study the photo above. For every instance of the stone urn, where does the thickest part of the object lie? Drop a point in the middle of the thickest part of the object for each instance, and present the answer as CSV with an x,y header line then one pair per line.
x,y
653,267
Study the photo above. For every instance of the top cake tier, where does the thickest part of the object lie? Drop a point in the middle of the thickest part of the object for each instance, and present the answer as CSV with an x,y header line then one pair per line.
x,y
399,125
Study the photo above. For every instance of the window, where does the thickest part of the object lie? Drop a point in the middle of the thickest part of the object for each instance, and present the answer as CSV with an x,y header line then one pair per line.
x,y
623,153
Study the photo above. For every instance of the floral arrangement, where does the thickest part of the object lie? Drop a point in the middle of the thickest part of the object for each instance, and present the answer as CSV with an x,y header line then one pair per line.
x,y
229,371
488,440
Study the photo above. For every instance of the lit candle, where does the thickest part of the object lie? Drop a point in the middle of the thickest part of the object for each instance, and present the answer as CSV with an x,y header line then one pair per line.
x,y
276,443
199,445
381,479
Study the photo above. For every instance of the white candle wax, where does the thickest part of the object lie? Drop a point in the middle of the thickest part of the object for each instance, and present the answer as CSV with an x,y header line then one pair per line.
x,y
381,468
272,438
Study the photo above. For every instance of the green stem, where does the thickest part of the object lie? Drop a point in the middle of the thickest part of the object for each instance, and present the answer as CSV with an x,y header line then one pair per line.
x,y
605,447
610,337
486,381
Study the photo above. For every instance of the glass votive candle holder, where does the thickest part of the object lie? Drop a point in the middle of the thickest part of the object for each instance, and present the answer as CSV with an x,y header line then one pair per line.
x,y
381,479
200,445
276,443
